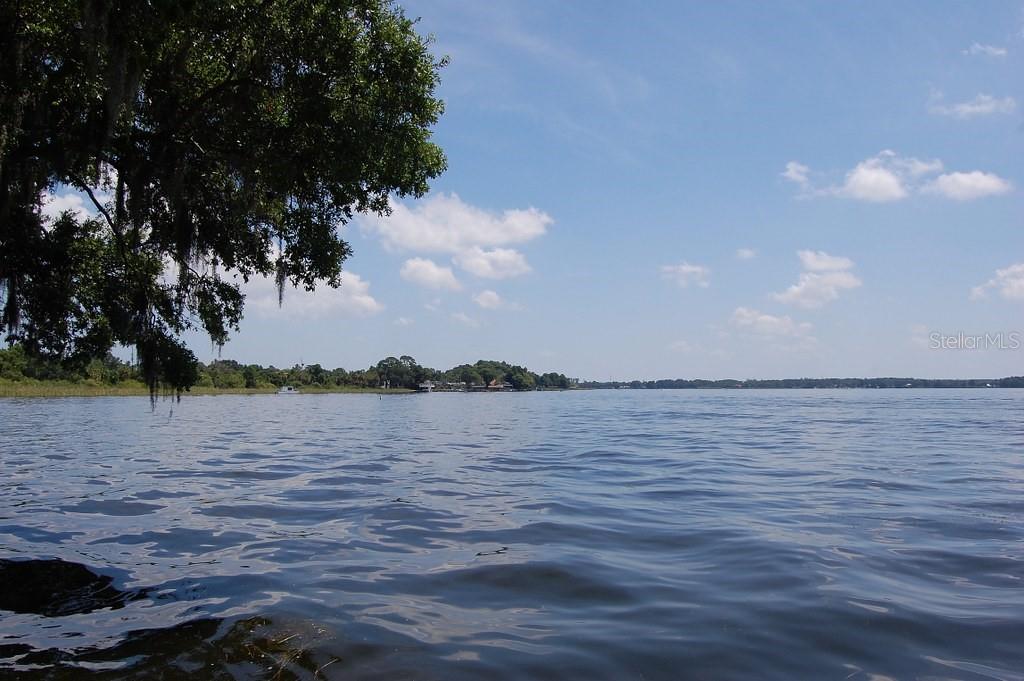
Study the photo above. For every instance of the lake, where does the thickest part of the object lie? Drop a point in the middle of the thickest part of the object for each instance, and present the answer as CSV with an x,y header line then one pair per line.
x,y
819,534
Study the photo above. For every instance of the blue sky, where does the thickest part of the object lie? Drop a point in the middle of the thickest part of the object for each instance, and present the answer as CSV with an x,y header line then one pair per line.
x,y
727,189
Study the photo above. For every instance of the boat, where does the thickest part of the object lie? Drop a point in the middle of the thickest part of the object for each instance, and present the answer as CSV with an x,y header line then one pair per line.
x,y
287,390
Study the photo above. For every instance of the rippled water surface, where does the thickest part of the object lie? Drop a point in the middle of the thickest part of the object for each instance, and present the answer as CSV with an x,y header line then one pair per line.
x,y
583,535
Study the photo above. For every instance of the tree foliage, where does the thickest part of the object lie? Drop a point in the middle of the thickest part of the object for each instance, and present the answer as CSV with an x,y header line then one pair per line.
x,y
216,140
520,378
391,372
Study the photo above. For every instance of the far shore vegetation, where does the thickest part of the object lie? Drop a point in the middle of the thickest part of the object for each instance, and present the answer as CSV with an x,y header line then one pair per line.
x,y
23,375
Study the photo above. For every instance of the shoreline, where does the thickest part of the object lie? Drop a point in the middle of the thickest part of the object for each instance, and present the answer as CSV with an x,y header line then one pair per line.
x,y
15,389
44,389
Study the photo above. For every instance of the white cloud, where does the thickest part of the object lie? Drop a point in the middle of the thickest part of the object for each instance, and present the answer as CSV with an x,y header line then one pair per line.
x,y
884,177
814,289
872,182
404,321
746,253
968,186
916,167
488,299
769,325
55,204
352,298
477,239
820,261
987,50
465,319
982,105
685,274
1009,282
446,224
796,172
429,274
890,177
497,263
880,178
824,277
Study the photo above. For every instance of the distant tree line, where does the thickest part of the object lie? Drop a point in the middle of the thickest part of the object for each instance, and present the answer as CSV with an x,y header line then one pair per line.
x,y
391,372
889,382
405,372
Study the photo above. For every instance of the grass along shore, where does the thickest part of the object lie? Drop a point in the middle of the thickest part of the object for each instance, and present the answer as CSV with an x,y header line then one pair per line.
x,y
33,388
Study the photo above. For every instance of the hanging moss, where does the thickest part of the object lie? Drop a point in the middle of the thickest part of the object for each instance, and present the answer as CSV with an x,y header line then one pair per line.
x,y
215,142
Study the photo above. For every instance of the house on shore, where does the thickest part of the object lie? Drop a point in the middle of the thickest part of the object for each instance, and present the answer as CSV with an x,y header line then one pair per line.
x,y
462,387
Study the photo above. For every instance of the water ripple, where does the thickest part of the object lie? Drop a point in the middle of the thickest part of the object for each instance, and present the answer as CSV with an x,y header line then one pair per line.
x,y
590,535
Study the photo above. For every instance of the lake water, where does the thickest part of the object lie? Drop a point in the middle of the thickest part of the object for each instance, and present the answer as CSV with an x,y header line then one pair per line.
x,y
583,535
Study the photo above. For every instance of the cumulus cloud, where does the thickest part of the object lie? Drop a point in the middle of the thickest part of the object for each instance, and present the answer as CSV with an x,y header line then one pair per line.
x,y
497,263
871,180
477,239
981,105
987,50
746,253
54,205
352,298
1009,282
884,177
427,273
968,186
488,299
685,274
404,321
444,223
890,177
769,325
823,278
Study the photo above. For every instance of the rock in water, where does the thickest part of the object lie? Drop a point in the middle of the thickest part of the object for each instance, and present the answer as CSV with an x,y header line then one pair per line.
x,y
54,588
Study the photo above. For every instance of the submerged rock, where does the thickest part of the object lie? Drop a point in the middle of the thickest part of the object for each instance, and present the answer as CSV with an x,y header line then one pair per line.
x,y
55,588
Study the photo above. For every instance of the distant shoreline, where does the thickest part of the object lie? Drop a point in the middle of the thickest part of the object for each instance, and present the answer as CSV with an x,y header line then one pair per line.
x,y
880,383
138,389
14,389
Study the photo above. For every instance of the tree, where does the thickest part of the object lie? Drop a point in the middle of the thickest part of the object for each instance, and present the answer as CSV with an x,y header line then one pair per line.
x,y
251,374
521,378
489,373
216,141
389,370
317,374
